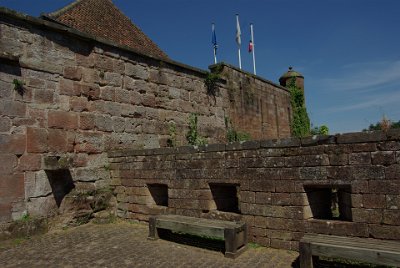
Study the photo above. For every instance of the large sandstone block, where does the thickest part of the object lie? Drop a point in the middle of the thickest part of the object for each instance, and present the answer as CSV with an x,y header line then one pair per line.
x,y
37,185
15,143
12,108
61,119
8,163
11,186
30,162
36,140
384,158
60,141
42,206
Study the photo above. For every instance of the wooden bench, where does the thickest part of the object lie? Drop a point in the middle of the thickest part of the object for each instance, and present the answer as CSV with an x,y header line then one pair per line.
x,y
374,251
234,233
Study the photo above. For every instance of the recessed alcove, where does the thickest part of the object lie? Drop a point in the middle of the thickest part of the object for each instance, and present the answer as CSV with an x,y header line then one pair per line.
x,y
225,196
328,202
159,193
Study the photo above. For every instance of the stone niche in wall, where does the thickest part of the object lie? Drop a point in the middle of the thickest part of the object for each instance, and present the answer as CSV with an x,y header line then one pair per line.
x,y
328,202
225,197
159,194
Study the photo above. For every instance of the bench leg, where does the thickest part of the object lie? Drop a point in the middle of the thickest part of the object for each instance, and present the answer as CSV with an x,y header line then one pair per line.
x,y
230,243
153,233
305,255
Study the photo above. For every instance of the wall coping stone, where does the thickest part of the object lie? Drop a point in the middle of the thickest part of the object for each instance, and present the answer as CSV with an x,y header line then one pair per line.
x,y
214,67
56,27
361,137
347,138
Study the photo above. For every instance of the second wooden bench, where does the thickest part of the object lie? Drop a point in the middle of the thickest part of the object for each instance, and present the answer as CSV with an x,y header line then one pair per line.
x,y
367,250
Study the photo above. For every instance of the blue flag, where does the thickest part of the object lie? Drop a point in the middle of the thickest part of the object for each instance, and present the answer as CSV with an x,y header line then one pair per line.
x,y
214,38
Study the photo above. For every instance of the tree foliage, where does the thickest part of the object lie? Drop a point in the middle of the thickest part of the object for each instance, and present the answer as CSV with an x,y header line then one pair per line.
x,y
321,130
384,124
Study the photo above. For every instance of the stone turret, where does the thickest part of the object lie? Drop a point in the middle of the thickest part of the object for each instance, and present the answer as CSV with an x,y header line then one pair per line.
x,y
286,78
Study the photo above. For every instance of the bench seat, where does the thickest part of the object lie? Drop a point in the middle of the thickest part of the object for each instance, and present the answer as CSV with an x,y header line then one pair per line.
x,y
234,233
368,250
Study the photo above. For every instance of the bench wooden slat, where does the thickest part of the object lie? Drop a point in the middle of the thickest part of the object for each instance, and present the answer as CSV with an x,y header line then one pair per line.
x,y
200,221
355,253
354,241
360,249
234,233
190,228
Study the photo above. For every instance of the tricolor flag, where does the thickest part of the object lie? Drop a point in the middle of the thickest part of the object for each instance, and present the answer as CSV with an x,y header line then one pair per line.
x,y
238,32
250,46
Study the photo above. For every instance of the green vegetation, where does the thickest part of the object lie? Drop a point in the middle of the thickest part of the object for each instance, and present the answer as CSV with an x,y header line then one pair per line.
x,y
300,121
107,167
193,137
385,124
321,130
171,142
19,86
232,135
254,245
211,83
25,218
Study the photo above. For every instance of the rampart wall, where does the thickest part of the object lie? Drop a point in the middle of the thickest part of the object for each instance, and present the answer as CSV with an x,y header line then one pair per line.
x,y
67,98
346,185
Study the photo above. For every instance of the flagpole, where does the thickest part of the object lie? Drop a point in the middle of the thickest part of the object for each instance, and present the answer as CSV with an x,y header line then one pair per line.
x,y
238,40
214,41
253,50
240,59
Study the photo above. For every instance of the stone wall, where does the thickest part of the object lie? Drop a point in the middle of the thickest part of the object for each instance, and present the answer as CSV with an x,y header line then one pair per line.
x,y
66,98
346,185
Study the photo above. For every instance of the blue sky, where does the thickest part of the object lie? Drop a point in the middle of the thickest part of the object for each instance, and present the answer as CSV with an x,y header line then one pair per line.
x,y
347,50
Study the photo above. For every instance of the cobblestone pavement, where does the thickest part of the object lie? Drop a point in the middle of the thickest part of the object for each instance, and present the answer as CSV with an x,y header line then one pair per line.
x,y
125,245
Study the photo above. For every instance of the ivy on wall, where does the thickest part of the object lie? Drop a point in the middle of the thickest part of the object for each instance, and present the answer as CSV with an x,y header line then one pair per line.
x,y
193,137
300,121
232,135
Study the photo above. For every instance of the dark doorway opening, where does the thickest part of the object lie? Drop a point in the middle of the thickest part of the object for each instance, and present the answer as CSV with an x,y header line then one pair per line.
x,y
61,183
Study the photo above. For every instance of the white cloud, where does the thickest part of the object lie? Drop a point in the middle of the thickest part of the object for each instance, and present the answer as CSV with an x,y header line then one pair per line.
x,y
365,77
372,101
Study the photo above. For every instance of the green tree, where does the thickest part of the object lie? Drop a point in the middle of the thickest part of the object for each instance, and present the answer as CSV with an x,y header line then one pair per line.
x,y
384,124
321,130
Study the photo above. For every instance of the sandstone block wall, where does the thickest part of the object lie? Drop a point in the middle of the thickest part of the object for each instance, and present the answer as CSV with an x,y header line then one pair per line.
x,y
282,188
82,96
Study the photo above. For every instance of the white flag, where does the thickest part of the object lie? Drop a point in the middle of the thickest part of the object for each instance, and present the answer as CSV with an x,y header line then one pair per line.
x,y
238,33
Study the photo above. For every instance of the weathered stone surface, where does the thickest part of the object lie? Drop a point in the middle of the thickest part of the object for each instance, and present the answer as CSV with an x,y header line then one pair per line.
x,y
384,158
37,185
30,162
64,120
36,140
8,163
42,206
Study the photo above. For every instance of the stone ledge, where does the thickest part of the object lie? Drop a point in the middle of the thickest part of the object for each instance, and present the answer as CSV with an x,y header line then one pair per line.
x,y
347,138
361,137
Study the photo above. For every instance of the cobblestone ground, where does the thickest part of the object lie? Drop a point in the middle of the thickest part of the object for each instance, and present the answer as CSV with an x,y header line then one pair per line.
x,y
125,245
